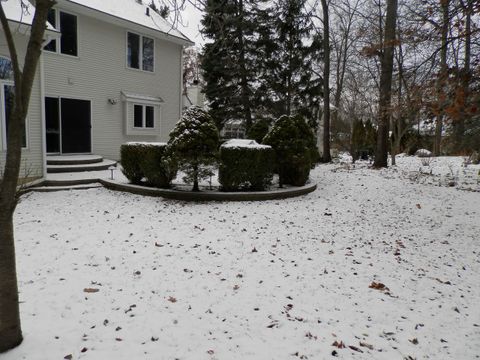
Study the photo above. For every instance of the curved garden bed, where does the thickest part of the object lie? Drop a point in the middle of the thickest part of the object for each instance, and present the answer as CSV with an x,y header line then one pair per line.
x,y
210,195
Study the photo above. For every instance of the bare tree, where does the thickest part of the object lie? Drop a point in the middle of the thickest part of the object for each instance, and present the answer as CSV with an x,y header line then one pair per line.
x,y
10,329
386,60
326,83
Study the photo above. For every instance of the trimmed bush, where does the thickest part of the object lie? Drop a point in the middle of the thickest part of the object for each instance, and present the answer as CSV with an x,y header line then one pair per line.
x,y
194,144
131,155
158,167
293,142
149,161
245,165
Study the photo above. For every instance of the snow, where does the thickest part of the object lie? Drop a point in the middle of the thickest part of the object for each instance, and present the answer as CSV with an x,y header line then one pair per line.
x,y
146,143
133,11
244,143
269,280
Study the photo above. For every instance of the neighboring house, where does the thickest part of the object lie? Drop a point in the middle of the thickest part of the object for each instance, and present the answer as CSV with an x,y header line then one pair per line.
x,y
113,75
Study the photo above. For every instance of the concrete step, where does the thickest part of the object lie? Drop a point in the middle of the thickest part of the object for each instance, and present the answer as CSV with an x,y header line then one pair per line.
x,y
73,159
103,165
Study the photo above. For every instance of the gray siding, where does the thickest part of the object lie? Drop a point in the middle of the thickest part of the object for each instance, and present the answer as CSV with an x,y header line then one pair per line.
x,y
32,156
100,73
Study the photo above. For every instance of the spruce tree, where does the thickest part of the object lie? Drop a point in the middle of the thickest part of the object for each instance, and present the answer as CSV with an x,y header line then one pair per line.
x,y
290,52
227,64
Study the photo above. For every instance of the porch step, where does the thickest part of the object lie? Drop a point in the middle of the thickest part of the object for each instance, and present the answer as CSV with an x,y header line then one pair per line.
x,y
73,159
81,167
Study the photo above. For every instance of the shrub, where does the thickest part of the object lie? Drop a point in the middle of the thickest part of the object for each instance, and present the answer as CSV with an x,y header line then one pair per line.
x,y
159,168
258,130
293,142
131,155
194,143
147,160
245,165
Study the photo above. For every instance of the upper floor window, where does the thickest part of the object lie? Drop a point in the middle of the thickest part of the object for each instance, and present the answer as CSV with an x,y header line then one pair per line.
x,y
140,52
68,27
7,94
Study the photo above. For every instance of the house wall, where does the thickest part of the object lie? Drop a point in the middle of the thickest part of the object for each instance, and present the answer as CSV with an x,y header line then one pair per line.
x,y
100,73
32,156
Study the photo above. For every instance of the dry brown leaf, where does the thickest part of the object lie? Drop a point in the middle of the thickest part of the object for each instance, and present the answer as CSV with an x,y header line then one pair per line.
x,y
339,345
91,290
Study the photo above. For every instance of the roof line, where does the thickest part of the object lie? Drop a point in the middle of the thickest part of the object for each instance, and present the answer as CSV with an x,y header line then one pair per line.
x,y
186,39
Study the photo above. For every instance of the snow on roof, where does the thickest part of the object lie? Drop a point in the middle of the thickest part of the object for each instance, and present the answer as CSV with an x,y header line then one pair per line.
x,y
133,11
21,12
243,143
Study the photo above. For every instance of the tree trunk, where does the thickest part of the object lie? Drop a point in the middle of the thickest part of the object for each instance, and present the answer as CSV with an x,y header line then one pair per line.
x,y
381,153
10,329
326,84
195,178
445,4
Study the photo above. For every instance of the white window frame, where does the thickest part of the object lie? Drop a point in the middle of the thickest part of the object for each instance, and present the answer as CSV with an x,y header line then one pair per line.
x,y
140,53
144,117
129,101
58,41
3,116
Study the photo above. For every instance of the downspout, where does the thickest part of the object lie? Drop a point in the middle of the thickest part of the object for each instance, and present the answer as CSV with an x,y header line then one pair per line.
x,y
42,108
181,83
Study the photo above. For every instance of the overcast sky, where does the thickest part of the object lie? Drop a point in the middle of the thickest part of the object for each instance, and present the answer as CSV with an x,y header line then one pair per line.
x,y
191,24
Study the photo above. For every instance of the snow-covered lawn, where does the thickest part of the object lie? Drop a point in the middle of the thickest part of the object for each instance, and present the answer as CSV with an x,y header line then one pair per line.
x,y
107,275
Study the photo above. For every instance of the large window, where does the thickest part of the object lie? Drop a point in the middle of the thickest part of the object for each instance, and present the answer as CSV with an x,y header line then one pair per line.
x,y
140,52
68,27
143,116
7,94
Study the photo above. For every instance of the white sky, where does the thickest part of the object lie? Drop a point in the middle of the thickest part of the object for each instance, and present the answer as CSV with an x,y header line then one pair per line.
x,y
191,24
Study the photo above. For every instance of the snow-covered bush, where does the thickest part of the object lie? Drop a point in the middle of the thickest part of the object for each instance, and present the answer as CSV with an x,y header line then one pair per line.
x,y
423,153
294,145
194,144
244,164
147,160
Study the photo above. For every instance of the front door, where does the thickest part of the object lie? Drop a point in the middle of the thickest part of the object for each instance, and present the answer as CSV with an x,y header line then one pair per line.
x,y
68,125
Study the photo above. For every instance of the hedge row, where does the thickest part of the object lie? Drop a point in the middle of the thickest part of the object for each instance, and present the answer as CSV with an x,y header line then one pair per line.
x,y
246,167
147,160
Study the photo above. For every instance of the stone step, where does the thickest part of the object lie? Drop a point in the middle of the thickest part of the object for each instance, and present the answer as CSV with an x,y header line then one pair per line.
x,y
103,165
73,159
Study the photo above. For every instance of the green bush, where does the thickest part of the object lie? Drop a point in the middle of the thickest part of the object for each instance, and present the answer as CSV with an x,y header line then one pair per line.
x,y
246,167
147,160
293,142
258,130
194,144
131,155
159,168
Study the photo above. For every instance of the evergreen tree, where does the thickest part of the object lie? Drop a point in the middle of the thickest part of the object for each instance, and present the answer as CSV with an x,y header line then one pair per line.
x,y
227,64
288,82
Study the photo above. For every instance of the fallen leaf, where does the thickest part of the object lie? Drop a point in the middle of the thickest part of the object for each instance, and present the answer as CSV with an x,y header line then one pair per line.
x,y
378,286
172,299
91,290
414,341
368,346
68,357
419,206
339,345
354,348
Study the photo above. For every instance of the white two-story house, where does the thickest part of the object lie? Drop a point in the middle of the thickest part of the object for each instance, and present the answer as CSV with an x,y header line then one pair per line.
x,y
110,72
